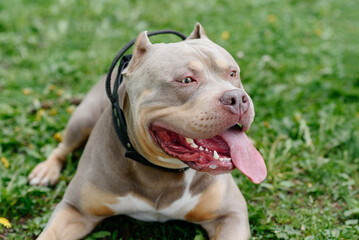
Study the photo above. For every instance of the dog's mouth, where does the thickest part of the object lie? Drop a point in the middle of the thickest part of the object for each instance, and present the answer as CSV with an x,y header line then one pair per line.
x,y
219,154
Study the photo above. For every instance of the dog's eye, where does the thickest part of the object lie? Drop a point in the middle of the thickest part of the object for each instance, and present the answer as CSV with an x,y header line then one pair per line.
x,y
187,80
233,73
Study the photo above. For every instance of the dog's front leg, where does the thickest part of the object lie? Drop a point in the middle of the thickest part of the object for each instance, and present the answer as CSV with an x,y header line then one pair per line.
x,y
222,211
68,223
232,226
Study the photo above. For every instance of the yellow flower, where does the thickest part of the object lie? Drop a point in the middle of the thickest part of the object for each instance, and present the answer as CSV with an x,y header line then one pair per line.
x,y
59,92
52,87
39,114
225,35
271,18
26,91
5,222
53,112
58,137
70,109
5,162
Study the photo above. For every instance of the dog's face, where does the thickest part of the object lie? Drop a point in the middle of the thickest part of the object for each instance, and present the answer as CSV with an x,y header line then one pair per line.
x,y
183,106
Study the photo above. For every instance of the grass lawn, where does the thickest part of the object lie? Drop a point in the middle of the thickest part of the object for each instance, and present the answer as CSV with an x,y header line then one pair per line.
x,y
299,62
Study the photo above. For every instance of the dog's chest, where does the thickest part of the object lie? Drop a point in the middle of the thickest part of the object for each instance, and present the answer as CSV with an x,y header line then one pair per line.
x,y
143,209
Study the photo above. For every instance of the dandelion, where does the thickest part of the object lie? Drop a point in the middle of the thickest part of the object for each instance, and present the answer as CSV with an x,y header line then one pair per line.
x,y
26,91
5,162
58,137
52,87
5,222
39,114
266,124
60,92
271,18
70,109
225,35
53,112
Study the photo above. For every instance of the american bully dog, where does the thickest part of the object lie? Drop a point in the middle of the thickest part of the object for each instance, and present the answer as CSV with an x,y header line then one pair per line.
x,y
183,103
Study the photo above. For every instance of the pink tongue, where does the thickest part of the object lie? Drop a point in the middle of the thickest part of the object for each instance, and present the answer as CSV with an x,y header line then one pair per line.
x,y
245,156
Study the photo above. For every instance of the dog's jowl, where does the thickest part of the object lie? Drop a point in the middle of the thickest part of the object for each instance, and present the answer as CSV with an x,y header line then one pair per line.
x,y
186,113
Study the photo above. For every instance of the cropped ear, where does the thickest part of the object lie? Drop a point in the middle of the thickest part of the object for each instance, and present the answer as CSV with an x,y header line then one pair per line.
x,y
198,32
142,46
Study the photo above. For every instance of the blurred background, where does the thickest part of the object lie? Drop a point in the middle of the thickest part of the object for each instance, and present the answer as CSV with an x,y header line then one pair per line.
x,y
299,63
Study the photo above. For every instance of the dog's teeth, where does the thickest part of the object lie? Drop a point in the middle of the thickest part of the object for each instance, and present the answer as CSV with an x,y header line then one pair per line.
x,y
206,149
222,159
194,145
215,155
213,166
200,148
191,141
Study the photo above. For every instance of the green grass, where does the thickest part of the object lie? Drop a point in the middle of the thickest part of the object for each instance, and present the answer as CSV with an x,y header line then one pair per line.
x,y
299,62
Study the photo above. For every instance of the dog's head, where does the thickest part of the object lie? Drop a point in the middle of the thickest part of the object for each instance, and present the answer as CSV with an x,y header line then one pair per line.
x,y
184,103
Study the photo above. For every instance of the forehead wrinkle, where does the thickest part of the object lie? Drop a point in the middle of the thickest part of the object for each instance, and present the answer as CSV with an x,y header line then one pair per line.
x,y
213,58
202,56
222,64
195,66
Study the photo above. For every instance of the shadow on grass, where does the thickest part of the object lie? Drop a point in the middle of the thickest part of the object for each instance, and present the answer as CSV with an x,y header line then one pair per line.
x,y
127,228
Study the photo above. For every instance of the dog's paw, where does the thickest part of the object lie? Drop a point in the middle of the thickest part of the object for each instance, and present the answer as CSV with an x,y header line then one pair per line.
x,y
45,173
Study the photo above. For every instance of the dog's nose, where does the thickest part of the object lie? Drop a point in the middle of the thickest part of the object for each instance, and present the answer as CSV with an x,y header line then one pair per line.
x,y
235,100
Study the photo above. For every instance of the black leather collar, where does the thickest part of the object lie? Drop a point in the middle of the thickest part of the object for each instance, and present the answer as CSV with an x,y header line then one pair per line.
x,y
117,113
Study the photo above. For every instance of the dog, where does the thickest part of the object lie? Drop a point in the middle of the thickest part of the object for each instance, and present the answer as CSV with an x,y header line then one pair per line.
x,y
183,103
